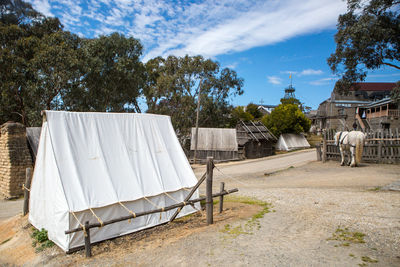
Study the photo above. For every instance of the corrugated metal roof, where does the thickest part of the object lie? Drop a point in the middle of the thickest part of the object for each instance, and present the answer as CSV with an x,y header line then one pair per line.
x,y
379,102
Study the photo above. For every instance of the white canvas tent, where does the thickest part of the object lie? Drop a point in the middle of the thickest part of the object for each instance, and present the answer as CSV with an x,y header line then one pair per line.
x,y
101,166
291,141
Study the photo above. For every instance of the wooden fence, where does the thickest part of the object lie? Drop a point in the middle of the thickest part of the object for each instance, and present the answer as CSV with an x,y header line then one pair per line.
x,y
380,147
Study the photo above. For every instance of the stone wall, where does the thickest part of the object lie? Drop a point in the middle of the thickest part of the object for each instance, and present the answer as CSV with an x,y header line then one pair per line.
x,y
14,159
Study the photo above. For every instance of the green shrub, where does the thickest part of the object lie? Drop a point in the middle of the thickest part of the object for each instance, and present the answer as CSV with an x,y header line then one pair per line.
x,y
41,240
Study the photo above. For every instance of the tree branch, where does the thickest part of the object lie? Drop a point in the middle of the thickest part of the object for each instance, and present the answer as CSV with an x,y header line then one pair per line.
x,y
391,65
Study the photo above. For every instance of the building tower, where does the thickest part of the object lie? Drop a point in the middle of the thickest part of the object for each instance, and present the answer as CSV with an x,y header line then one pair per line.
x,y
289,91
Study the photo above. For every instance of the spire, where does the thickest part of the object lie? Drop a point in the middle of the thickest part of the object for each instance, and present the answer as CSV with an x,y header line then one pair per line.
x,y
289,91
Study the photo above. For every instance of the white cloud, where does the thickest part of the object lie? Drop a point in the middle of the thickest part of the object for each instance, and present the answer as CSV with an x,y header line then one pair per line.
x,y
207,27
43,7
274,80
323,81
310,72
306,72
232,65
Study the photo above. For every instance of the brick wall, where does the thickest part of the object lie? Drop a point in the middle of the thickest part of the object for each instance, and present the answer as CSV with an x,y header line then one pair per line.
x,y
14,159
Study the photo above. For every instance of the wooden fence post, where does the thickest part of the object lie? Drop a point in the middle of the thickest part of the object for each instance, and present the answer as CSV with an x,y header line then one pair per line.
x,y
88,248
318,147
209,199
324,147
221,198
27,188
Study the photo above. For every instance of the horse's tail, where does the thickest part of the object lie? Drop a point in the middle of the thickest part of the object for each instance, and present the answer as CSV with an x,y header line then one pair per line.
x,y
359,147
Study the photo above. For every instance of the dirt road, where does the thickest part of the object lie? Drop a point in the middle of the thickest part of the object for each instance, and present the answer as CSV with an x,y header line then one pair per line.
x,y
10,208
322,215
257,167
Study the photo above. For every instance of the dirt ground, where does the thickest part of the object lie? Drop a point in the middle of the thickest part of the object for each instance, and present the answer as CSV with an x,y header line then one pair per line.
x,y
321,215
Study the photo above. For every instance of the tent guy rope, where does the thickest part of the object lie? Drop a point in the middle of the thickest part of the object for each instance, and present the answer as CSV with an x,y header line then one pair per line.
x,y
83,226
128,210
97,217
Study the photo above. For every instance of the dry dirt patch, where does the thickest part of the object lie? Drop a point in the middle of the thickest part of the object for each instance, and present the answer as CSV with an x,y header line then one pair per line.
x,y
15,242
17,248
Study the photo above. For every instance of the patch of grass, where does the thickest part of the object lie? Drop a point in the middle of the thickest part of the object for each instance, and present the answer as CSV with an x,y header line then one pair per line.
x,y
253,222
375,189
203,202
346,237
5,241
362,264
40,240
368,259
352,255
234,231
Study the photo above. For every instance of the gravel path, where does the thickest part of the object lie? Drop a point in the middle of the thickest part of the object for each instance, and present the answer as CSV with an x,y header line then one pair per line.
x,y
311,201
10,208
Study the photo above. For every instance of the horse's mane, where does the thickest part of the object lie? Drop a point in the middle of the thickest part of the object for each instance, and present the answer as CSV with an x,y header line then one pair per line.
x,y
340,135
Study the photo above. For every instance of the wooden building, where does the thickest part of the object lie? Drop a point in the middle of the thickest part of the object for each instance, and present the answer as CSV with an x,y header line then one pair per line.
x,y
219,143
254,140
382,114
340,111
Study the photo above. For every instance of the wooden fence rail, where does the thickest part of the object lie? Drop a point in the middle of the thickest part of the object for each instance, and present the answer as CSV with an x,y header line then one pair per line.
x,y
380,147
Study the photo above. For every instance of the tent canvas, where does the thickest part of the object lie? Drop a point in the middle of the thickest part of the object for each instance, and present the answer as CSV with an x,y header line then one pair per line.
x,y
100,166
291,141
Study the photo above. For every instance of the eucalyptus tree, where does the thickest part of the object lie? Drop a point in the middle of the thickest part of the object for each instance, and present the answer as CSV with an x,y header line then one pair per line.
x,y
368,38
114,75
175,84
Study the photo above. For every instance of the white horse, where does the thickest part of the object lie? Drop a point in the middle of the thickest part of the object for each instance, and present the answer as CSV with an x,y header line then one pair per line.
x,y
352,142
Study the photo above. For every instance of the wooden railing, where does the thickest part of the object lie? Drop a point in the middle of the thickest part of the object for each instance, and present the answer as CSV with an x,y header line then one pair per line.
x,y
394,113
384,113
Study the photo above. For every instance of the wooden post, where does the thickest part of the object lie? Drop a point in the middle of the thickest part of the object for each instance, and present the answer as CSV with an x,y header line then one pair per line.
x,y
88,248
318,147
27,188
209,199
221,198
324,147
379,159
197,123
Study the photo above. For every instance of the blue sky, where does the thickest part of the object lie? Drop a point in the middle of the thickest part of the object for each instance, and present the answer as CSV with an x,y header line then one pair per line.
x,y
263,40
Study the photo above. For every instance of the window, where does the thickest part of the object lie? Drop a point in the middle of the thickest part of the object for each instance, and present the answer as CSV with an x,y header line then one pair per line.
x,y
385,126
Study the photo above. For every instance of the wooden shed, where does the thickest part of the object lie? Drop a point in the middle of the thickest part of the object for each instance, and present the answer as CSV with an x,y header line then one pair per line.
x,y
219,143
254,140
